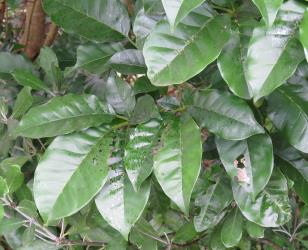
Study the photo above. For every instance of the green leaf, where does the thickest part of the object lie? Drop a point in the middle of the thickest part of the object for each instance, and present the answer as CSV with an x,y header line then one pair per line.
x,y
142,241
143,85
232,229
213,203
225,115
268,9
269,64
186,233
94,57
294,166
48,60
198,39
118,94
23,103
254,230
119,204
271,207
215,240
288,111
4,189
8,225
138,159
128,62
177,163
304,33
144,110
256,152
10,62
143,25
176,10
230,61
27,79
63,115
64,188
14,178
100,21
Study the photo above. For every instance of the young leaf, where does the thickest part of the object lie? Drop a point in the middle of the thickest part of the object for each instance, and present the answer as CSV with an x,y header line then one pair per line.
x,y
138,159
268,9
304,33
118,94
94,57
198,36
288,111
100,21
128,62
64,188
178,162
144,110
63,115
232,229
215,239
256,154
231,60
271,207
225,115
143,25
217,197
176,10
27,79
23,103
269,64
119,204
254,230
10,62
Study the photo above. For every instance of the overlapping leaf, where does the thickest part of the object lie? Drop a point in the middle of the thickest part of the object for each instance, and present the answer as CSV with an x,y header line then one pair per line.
x,y
268,9
256,154
174,57
225,115
271,207
138,158
304,33
97,20
274,53
176,10
62,115
288,110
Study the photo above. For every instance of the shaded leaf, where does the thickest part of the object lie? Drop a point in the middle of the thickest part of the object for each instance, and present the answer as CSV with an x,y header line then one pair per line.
x,y
223,114
288,111
23,103
27,79
100,21
10,62
213,203
128,62
232,229
254,230
138,159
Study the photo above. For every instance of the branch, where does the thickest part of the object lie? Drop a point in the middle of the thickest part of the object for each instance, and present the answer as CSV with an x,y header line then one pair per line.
x,y
51,35
34,31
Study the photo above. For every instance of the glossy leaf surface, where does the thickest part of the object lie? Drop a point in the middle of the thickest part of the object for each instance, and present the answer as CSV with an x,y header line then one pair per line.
x,y
225,115
64,188
198,36
63,115
90,19
256,156
268,9
178,161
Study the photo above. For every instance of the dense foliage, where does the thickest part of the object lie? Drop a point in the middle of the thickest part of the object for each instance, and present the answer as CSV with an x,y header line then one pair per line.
x,y
154,124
